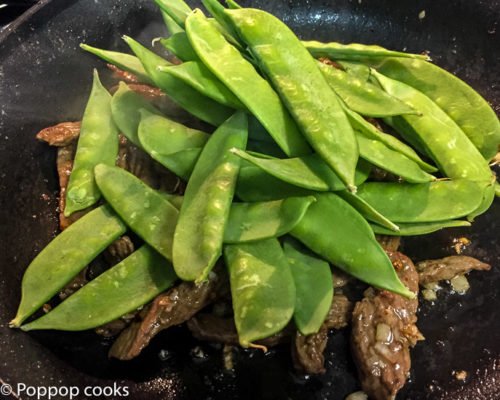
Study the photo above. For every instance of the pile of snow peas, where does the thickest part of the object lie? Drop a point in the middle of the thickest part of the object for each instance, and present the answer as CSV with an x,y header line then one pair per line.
x,y
281,189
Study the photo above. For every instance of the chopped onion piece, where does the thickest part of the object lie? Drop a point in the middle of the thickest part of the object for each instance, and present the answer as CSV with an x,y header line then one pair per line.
x,y
460,284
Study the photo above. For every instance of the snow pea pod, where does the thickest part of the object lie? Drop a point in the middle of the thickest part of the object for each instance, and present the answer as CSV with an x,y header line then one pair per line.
x,y
422,228
121,289
179,45
65,256
488,198
451,149
177,9
356,68
302,87
249,222
226,62
364,127
262,289
309,172
313,286
390,160
497,189
184,95
172,26
97,143
337,232
457,99
203,217
125,106
423,202
232,4
354,51
143,209
361,96
196,75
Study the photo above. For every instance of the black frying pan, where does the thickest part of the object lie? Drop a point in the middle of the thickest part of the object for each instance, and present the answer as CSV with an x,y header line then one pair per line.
x,y
44,79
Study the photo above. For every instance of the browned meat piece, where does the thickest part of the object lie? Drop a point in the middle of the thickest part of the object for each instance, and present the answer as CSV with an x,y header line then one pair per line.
x,y
389,243
76,283
173,307
61,134
307,351
122,75
212,328
339,315
119,250
447,268
340,278
383,329
113,328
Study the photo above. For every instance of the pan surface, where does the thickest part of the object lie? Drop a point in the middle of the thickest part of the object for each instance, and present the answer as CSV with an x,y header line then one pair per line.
x,y
45,78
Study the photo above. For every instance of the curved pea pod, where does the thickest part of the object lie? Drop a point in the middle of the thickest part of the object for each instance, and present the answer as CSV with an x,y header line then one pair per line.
x,y
488,198
125,287
205,210
390,160
422,228
263,220
361,125
313,285
458,100
302,87
143,209
451,149
174,199
240,76
354,51
179,45
497,189
196,75
177,9
309,172
123,61
97,143
262,289
362,96
356,68
172,26
423,202
65,256
337,232
232,4
125,107
184,95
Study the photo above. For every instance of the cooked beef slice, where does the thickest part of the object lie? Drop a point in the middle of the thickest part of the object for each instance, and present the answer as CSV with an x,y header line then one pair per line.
x,y
447,268
340,312
307,351
383,330
122,75
60,135
389,243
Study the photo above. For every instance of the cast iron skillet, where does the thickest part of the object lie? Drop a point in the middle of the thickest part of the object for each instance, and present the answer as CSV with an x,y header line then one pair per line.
x,y
45,78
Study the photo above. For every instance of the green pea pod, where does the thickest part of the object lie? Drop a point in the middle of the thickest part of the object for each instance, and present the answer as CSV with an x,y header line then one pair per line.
x,y
451,149
302,87
203,217
362,96
423,202
143,209
390,160
179,45
422,228
354,51
98,143
262,289
309,172
313,285
488,198
367,210
125,106
497,189
172,26
364,127
123,61
174,199
356,68
232,4
337,232
226,62
458,100
196,75
177,9
128,285
64,257
263,220
184,95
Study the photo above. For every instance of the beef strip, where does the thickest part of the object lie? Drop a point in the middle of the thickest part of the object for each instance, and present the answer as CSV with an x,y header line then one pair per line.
x,y
447,268
339,315
383,329
60,135
173,307
122,75
389,243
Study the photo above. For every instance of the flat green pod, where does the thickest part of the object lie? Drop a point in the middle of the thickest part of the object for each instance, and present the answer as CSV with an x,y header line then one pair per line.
x,y
121,289
143,209
179,44
313,288
422,228
178,10
262,289
172,26
65,256
263,220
